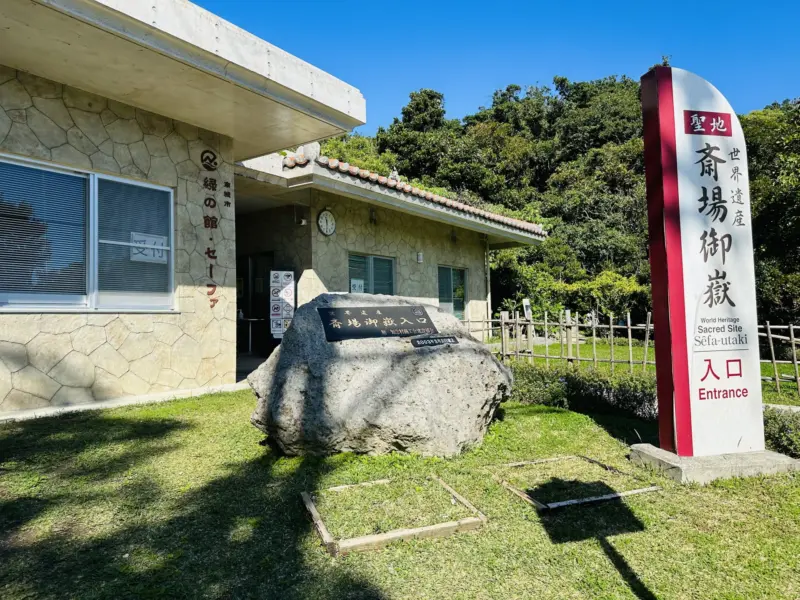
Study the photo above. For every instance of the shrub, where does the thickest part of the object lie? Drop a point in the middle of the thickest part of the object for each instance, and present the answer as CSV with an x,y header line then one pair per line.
x,y
630,394
584,390
782,431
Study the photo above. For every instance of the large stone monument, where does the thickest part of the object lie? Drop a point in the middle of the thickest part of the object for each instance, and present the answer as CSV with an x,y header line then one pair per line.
x,y
395,375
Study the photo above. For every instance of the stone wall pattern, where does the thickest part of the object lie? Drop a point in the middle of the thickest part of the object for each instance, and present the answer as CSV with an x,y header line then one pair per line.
x,y
69,358
399,236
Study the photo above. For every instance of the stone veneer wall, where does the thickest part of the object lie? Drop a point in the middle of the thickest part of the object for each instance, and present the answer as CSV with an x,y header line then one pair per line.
x,y
396,235
54,359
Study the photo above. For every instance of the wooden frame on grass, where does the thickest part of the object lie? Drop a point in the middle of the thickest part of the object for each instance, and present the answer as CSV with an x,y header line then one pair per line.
x,y
373,542
547,506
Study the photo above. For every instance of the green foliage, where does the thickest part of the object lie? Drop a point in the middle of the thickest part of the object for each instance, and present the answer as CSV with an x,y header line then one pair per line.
x,y
360,151
546,283
570,157
629,394
782,431
773,143
586,391
420,137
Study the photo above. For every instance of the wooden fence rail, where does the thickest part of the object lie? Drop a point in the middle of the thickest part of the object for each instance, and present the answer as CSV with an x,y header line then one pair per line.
x,y
565,338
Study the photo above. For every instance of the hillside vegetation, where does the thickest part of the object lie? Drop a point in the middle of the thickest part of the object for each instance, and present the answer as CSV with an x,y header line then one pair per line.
x,y
570,156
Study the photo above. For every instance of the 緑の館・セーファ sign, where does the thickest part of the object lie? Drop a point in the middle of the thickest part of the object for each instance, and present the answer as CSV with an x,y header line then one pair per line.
x,y
701,253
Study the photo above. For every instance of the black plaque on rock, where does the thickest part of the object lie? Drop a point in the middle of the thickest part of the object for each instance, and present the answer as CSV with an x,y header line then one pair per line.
x,y
354,322
427,342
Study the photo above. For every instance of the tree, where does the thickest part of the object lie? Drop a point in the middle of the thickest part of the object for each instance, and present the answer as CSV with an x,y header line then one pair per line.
x,y
570,157
23,237
420,137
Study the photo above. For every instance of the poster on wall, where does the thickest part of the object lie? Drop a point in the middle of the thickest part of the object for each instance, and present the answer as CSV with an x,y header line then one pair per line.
x,y
282,301
703,277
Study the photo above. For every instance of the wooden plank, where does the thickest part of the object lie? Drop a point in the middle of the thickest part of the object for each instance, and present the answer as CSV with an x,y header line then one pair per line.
x,y
339,488
502,336
594,340
375,541
554,505
646,342
546,343
537,462
520,494
630,345
531,333
327,538
611,338
772,355
609,467
516,335
568,333
461,499
794,358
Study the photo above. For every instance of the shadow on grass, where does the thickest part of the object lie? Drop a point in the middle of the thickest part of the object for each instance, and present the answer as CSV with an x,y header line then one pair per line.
x,y
42,442
592,521
628,430
244,534
45,451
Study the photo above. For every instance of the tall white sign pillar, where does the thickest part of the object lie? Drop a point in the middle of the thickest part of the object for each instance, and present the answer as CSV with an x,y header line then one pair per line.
x,y
701,255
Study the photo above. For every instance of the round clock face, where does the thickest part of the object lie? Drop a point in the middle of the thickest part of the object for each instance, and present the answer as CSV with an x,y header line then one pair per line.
x,y
326,222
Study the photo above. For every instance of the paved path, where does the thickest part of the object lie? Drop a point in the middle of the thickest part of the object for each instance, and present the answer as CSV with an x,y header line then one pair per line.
x,y
35,413
785,407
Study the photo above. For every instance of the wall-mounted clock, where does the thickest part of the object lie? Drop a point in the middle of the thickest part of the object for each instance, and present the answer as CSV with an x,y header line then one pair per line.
x,y
326,222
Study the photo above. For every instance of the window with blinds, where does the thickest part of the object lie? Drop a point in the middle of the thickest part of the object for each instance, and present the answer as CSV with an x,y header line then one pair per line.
x,y
373,274
49,256
43,241
133,254
453,290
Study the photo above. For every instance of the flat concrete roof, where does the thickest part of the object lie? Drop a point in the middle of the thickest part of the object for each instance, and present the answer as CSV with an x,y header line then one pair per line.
x,y
174,58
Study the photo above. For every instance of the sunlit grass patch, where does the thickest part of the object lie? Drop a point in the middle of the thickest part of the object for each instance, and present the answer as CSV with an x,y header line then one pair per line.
x,y
398,504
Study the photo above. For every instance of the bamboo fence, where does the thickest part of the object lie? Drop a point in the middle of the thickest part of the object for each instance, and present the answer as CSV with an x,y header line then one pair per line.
x,y
567,340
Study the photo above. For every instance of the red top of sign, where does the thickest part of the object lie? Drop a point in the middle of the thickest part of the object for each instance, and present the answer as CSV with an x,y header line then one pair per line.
x,y
703,122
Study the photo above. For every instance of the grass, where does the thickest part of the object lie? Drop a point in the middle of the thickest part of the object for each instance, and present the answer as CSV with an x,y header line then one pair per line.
x,y
788,394
377,509
557,481
181,500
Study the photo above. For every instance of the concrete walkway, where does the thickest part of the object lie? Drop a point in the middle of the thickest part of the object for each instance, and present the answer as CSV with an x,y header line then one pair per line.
x,y
784,407
35,413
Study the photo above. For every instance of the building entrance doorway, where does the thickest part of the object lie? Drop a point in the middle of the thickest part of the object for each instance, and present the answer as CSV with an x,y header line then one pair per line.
x,y
252,290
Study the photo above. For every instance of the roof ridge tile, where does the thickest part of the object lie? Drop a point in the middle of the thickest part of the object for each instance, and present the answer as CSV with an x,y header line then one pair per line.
x,y
335,164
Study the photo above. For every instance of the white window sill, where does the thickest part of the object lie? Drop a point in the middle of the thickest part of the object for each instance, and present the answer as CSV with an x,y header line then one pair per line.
x,y
86,311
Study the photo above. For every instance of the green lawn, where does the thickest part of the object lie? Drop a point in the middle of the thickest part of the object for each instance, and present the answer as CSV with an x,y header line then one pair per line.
x,y
180,499
788,393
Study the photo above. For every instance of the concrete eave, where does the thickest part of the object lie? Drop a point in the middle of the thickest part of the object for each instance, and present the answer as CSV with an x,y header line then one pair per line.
x,y
317,177
173,58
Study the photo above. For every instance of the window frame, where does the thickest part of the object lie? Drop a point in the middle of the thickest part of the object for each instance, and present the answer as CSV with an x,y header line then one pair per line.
x,y
91,302
369,284
466,288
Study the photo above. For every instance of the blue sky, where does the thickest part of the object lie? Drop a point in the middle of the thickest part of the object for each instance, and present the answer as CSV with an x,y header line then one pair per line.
x,y
466,50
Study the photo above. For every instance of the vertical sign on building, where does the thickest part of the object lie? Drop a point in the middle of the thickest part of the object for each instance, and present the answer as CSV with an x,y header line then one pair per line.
x,y
703,278
282,301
